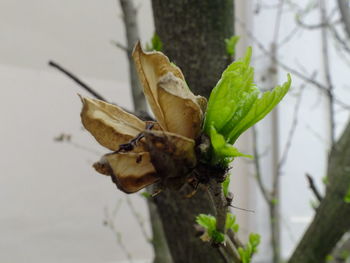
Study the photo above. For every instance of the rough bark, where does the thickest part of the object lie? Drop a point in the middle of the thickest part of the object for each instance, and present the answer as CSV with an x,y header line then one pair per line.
x,y
332,218
193,34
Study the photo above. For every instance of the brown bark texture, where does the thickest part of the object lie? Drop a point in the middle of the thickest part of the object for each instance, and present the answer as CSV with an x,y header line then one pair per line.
x,y
193,34
332,219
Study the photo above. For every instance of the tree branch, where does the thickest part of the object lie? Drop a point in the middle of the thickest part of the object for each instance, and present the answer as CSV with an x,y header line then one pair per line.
x,y
327,73
314,188
76,80
323,233
258,174
293,71
345,15
216,194
132,36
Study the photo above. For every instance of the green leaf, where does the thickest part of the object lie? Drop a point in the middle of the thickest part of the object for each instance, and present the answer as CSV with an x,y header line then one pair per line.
x,y
206,221
260,109
235,85
235,105
231,45
146,195
254,240
226,184
155,44
217,236
245,257
250,249
222,149
231,223
347,197
209,223
274,201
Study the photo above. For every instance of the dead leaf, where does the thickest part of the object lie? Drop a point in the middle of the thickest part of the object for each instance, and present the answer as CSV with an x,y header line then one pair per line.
x,y
176,108
109,124
129,171
182,113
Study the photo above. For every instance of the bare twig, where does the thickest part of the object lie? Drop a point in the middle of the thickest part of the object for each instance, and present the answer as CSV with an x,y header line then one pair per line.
x,y
234,238
232,250
109,222
292,129
258,174
340,39
120,45
313,187
225,254
139,220
293,71
327,72
216,194
132,36
76,80
68,139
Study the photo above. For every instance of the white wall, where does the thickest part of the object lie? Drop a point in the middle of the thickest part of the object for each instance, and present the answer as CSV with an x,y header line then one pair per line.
x,y
51,200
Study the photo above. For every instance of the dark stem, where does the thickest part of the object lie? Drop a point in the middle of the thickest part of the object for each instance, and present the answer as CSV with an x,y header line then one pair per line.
x,y
76,80
314,188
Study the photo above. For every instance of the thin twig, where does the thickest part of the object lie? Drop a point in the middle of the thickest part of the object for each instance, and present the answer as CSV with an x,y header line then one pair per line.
x,y
292,129
338,38
109,222
132,36
120,45
216,194
327,72
232,250
314,188
234,238
76,80
258,174
293,71
139,220
225,254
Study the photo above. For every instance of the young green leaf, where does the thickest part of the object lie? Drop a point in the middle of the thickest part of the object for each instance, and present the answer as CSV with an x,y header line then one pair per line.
x,y
235,105
231,45
254,240
260,109
347,197
209,224
221,148
217,236
226,184
231,223
235,85
206,221
155,44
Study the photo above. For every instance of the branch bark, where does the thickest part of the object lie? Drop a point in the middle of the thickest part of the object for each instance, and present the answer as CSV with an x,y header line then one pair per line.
x,y
332,217
132,36
193,34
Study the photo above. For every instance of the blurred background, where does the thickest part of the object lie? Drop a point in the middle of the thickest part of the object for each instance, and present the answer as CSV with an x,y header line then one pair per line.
x,y
55,208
